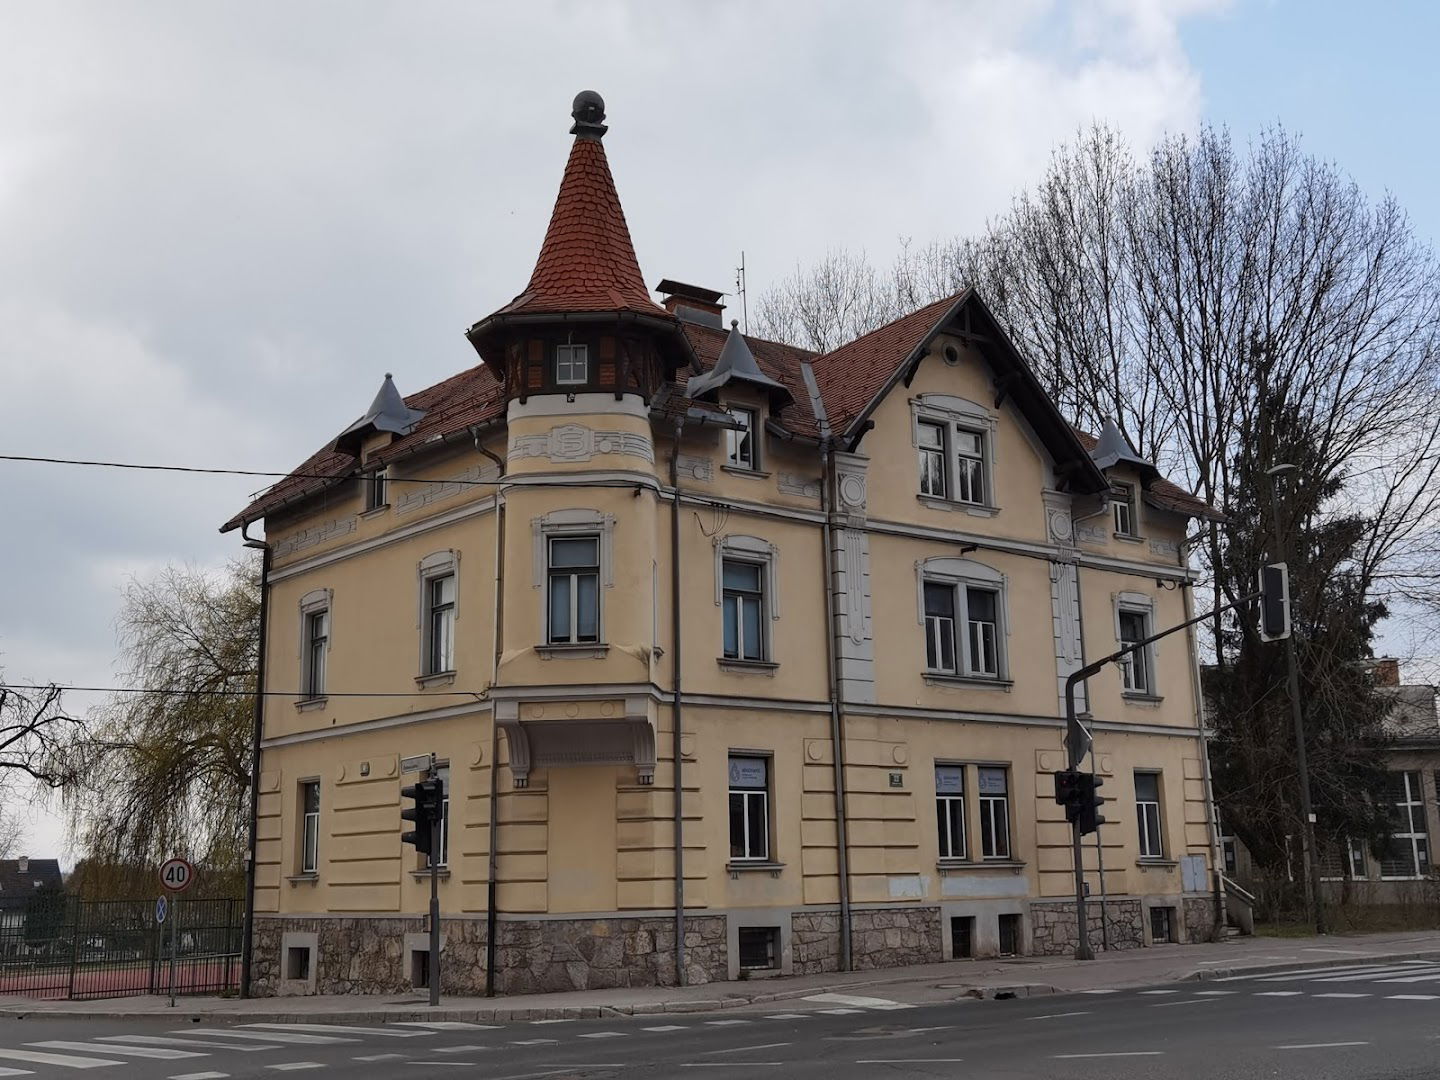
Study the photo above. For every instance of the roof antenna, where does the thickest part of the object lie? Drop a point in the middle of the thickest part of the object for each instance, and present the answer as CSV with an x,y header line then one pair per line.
x,y
740,288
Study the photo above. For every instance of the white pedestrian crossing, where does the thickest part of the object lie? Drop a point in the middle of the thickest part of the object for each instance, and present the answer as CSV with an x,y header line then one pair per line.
x,y
165,1040
346,1029
266,1036
68,1061
160,1052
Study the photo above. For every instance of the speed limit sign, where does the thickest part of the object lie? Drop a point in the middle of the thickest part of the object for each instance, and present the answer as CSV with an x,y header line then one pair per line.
x,y
177,875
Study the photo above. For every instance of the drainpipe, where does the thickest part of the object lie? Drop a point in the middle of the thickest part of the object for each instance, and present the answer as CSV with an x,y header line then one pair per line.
x,y
679,809
491,887
247,943
837,720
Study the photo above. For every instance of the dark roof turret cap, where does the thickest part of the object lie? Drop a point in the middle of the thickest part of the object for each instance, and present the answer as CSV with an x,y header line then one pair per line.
x,y
588,111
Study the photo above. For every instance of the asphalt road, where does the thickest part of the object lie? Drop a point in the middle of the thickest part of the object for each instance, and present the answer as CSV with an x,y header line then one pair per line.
x,y
1354,1023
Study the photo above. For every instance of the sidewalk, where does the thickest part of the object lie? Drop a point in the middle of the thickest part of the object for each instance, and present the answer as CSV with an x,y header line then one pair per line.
x,y
925,983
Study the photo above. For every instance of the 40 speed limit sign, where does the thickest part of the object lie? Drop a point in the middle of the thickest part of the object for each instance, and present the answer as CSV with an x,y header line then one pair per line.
x,y
177,875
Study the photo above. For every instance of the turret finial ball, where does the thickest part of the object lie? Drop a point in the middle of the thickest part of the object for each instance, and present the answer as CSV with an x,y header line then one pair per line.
x,y
589,107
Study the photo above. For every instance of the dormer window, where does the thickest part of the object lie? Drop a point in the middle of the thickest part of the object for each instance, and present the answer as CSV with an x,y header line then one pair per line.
x,y
740,441
572,365
377,492
1122,498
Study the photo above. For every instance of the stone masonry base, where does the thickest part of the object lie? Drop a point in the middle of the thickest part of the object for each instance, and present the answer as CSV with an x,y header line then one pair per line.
x,y
379,955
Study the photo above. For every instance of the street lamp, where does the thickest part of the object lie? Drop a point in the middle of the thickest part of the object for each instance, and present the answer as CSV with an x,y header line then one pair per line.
x,y
1312,863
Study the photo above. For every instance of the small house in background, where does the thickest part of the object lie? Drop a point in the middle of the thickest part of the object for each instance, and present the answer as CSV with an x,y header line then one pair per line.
x,y
21,881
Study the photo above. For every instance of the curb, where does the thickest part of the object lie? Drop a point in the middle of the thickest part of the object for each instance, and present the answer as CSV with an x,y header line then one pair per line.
x,y
1210,974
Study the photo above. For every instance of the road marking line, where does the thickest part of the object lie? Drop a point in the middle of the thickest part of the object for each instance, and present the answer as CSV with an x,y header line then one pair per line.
x,y
1116,1053
909,1061
1412,997
1099,991
1376,974
469,1048
536,1042
457,1064
1339,995
863,1002
1280,993
941,1027
1047,1016
197,1076
379,1057
265,1036
841,1012
725,1023
1215,993
1431,977
325,1029
605,1034
30,1072
295,1066
787,1016
129,1051
668,1027
742,1049
68,1060
537,1023
460,1025
1319,1046
1297,973
161,1040
723,1064
1159,991
1186,1001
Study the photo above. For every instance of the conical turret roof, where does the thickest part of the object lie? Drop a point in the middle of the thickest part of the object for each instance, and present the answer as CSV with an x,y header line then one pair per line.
x,y
737,364
388,412
587,262
1113,448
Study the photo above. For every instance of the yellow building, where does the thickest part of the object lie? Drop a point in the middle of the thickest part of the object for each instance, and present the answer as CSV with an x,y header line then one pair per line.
x,y
830,599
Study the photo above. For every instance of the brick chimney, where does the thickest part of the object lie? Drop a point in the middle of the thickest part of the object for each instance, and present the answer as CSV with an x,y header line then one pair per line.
x,y
23,864
692,303
1387,671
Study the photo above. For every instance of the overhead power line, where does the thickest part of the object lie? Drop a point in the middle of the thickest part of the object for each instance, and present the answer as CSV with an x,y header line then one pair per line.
x,y
238,693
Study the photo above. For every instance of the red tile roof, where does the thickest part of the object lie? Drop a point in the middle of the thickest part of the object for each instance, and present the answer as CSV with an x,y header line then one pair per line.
x,y
587,262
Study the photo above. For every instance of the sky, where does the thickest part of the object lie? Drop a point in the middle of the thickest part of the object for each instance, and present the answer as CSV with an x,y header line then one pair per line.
x,y
222,223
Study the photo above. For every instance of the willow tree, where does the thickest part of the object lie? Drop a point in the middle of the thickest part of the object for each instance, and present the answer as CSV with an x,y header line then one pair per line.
x,y
164,768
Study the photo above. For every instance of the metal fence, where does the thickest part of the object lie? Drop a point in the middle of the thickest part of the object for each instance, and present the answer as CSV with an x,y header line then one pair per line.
x,y
115,948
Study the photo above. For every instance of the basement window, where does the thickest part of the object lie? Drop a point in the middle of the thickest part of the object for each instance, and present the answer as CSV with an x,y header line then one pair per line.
x,y
297,962
1162,925
759,948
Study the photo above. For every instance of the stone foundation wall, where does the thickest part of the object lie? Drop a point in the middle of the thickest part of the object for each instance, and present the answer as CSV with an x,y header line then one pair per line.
x,y
894,937
814,942
1200,921
1052,926
368,956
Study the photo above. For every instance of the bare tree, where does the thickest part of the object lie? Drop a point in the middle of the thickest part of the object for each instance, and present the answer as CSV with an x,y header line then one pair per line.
x,y
166,767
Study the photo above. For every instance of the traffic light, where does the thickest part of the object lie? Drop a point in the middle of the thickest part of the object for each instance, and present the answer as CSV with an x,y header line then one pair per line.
x,y
1274,602
1088,803
1067,792
429,799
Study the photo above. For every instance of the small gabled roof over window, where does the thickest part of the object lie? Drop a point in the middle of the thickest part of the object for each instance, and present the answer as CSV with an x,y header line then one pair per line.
x,y
388,412
1113,448
737,365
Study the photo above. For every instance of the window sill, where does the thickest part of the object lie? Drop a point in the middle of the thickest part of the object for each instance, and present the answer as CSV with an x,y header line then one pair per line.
x,y
424,875
1157,863
374,511
945,678
439,678
579,651
952,866
748,667
1129,538
934,502
303,879
740,470
1131,697
737,867
311,704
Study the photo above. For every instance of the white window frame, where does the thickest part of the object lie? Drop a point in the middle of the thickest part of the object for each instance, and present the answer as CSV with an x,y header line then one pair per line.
x,y
577,577
994,808
748,796
734,439
750,549
567,356
954,414
316,602
1123,504
963,575
309,827
439,564
1143,606
1413,807
571,523
945,801
1150,816
377,490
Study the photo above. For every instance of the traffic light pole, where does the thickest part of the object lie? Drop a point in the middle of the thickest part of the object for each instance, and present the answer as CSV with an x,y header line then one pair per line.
x,y
434,973
1083,949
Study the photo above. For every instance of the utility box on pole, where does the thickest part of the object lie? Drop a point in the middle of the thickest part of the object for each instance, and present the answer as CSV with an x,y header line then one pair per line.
x,y
1274,602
